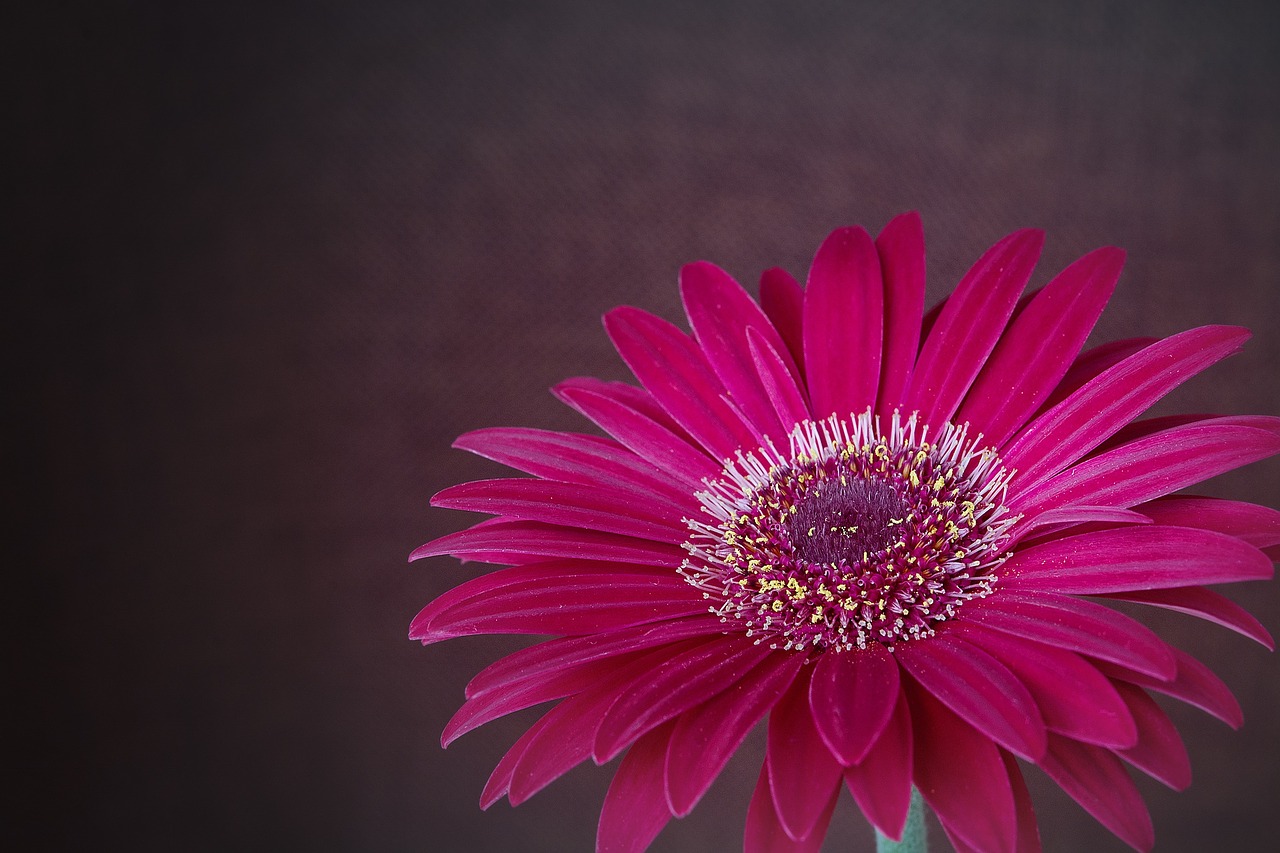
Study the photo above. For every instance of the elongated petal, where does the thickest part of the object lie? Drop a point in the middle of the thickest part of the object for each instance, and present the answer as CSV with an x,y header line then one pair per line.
x,y
979,689
970,324
1206,604
686,680
1194,684
802,771
1060,518
1078,626
705,737
722,315
1133,558
784,394
1095,779
574,458
782,300
1157,465
500,779
843,324
549,657
1257,525
644,436
1114,398
673,369
881,782
635,809
852,696
511,542
1159,751
900,247
1039,346
1028,829
559,597
1073,697
765,832
961,776
1092,362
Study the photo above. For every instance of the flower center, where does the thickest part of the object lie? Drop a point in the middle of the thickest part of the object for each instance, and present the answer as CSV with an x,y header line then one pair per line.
x,y
852,537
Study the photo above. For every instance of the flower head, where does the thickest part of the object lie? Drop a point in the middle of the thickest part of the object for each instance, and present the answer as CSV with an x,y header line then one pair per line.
x,y
874,526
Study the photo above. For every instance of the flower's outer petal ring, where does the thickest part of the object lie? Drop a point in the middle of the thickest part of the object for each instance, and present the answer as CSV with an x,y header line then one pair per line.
x,y
852,696
902,263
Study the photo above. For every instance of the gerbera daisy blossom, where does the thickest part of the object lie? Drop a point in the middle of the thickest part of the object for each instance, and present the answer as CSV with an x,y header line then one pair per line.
x,y
894,534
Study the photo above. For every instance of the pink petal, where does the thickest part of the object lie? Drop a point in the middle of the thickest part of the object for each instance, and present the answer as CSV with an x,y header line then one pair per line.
x,y
902,262
723,316
1078,626
628,395
635,809
784,394
500,779
1159,751
1060,518
764,830
843,324
1028,830
574,458
782,300
1092,362
644,436
673,369
545,658
1154,466
1074,698
881,783
1039,346
1094,778
1194,684
511,542
852,696
802,771
560,597
1134,558
979,689
686,680
1112,399
961,776
1257,525
970,324
1206,604
705,737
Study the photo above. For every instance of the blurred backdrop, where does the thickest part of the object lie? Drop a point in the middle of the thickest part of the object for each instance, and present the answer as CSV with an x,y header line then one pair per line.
x,y
269,260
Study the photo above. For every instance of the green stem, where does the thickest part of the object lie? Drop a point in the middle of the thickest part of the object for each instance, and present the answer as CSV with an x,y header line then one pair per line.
x,y
914,839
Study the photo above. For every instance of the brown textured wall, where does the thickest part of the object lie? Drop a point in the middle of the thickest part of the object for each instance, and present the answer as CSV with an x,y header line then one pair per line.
x,y
269,262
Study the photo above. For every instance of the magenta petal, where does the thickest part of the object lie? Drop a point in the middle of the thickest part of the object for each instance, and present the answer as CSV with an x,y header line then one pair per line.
x,y
512,542
1205,603
802,771
961,776
644,436
881,783
852,696
545,658
1078,626
1156,465
1073,697
1133,558
723,316
782,300
1159,751
635,809
705,737
1092,362
673,369
574,458
570,505
1194,684
902,263
1257,525
559,597
1028,829
979,689
970,324
500,779
764,831
784,394
1095,779
686,680
1059,518
1114,398
1039,346
843,324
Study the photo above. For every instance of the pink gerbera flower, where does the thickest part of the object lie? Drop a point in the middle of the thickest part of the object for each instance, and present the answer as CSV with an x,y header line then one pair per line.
x,y
876,527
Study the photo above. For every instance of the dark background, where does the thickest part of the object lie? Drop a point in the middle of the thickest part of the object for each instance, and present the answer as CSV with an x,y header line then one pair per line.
x,y
268,262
